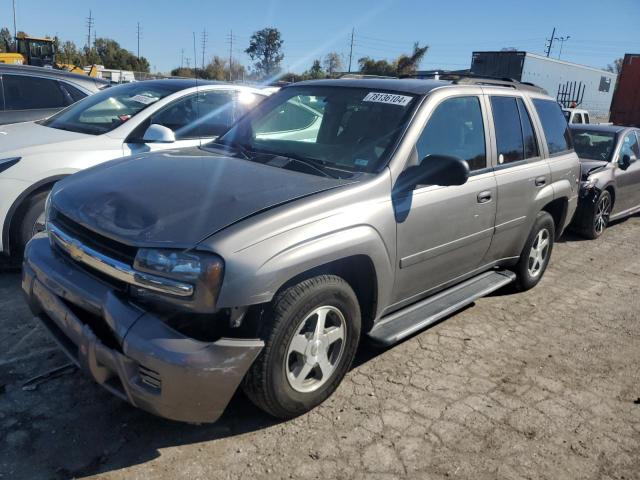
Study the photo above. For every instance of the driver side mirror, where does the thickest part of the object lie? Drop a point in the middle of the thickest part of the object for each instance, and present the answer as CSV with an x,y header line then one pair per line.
x,y
441,170
158,134
625,161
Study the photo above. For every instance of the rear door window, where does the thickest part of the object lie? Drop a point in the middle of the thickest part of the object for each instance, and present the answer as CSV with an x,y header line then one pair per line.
x,y
529,136
554,125
31,93
456,128
506,120
73,92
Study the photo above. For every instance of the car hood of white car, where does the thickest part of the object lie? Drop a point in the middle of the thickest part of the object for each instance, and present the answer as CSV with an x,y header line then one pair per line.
x,y
30,137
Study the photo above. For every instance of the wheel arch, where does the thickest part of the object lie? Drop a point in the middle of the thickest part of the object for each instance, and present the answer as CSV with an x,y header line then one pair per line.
x,y
15,210
359,272
558,209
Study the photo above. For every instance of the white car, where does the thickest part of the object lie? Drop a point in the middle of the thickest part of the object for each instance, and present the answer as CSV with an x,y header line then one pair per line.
x,y
116,122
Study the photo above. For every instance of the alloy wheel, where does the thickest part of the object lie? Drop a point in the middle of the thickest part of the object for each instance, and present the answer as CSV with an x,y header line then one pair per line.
x,y
603,211
314,352
539,253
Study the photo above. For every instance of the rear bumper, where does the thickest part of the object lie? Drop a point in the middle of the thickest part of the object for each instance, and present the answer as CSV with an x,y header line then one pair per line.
x,y
127,350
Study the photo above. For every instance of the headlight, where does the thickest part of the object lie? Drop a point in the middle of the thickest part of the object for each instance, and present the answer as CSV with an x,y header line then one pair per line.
x,y
588,184
6,163
204,270
47,211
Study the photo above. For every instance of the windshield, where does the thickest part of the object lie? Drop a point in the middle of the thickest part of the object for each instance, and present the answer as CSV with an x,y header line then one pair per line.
x,y
108,109
592,145
332,129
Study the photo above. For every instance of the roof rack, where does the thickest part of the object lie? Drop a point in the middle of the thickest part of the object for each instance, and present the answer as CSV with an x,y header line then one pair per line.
x,y
357,76
473,79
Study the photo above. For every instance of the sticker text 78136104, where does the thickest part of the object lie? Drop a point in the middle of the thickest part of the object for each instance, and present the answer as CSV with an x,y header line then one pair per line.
x,y
390,98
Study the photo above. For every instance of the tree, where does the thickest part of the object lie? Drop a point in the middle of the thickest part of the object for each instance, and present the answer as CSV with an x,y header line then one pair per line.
x,y
369,66
332,63
109,53
408,64
315,72
6,41
265,48
403,65
616,67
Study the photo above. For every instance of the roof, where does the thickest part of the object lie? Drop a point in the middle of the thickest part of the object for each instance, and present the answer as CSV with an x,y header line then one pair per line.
x,y
407,85
51,73
598,127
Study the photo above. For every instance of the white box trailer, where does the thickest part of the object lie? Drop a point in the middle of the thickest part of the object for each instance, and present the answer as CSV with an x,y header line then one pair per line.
x,y
590,88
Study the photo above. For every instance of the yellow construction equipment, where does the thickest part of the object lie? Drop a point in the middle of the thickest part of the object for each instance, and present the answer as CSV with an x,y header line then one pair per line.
x,y
40,52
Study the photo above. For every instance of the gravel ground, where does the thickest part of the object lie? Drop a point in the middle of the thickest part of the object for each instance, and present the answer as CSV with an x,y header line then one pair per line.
x,y
539,385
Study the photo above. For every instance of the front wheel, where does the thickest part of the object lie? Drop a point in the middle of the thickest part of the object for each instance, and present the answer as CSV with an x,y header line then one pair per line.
x,y
310,340
32,221
597,216
536,252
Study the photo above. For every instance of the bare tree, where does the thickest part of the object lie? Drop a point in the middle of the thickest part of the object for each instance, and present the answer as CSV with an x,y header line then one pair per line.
x,y
332,63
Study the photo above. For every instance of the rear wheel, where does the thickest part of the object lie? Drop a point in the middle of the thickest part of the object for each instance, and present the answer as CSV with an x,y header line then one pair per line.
x,y
536,252
310,342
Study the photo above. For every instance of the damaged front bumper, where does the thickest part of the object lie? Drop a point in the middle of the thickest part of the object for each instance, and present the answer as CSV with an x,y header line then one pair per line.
x,y
129,351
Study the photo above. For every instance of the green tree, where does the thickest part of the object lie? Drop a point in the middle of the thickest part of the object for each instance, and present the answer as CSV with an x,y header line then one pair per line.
x,y
6,40
265,49
332,63
403,65
408,64
315,72
109,53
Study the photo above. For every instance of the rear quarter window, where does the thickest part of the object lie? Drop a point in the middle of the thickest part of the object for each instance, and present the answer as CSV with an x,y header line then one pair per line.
x,y
554,125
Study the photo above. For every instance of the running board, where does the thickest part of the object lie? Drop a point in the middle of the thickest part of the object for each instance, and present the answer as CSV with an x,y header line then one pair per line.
x,y
399,325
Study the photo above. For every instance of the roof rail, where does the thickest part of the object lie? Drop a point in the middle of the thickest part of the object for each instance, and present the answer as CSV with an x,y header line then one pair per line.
x,y
361,75
474,79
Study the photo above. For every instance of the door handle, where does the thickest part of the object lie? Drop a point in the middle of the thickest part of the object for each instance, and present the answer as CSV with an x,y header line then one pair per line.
x,y
484,197
540,181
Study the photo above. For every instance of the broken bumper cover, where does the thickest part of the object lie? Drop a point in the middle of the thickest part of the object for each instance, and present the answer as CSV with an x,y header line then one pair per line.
x,y
132,353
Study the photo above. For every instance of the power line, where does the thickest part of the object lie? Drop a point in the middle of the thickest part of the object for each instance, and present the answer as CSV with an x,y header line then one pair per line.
x,y
90,23
204,45
550,40
351,49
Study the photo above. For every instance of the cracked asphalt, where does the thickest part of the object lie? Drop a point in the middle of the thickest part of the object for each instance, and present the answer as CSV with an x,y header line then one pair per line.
x,y
538,385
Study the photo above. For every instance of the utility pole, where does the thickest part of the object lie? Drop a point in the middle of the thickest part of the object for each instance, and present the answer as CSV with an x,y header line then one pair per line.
x,y
90,22
550,40
351,49
230,55
15,31
204,45
181,58
138,33
562,40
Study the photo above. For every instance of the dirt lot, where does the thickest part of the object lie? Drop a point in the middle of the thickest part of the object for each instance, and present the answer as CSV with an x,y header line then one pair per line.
x,y
541,385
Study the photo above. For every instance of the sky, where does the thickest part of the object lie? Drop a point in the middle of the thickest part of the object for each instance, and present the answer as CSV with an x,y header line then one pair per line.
x,y
599,31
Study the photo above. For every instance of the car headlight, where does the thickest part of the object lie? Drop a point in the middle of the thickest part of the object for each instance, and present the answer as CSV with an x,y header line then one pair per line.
x,y
588,184
202,269
47,211
6,163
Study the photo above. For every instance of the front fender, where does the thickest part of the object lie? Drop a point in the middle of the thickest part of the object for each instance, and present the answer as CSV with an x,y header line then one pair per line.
x,y
250,286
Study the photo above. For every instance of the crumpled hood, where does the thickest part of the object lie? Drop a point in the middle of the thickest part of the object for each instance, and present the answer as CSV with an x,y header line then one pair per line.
x,y
588,167
177,198
29,137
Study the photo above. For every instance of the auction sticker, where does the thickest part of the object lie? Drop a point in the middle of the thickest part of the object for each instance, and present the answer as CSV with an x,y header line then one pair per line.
x,y
143,99
389,98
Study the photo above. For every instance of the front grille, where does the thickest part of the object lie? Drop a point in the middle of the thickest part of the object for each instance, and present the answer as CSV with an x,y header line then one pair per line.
x,y
97,324
100,243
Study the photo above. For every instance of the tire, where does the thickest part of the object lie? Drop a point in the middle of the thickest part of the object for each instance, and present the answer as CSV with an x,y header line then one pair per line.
x,y
596,217
31,221
271,382
531,267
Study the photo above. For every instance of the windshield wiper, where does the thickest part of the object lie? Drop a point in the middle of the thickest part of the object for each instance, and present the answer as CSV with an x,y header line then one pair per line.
x,y
239,147
313,163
